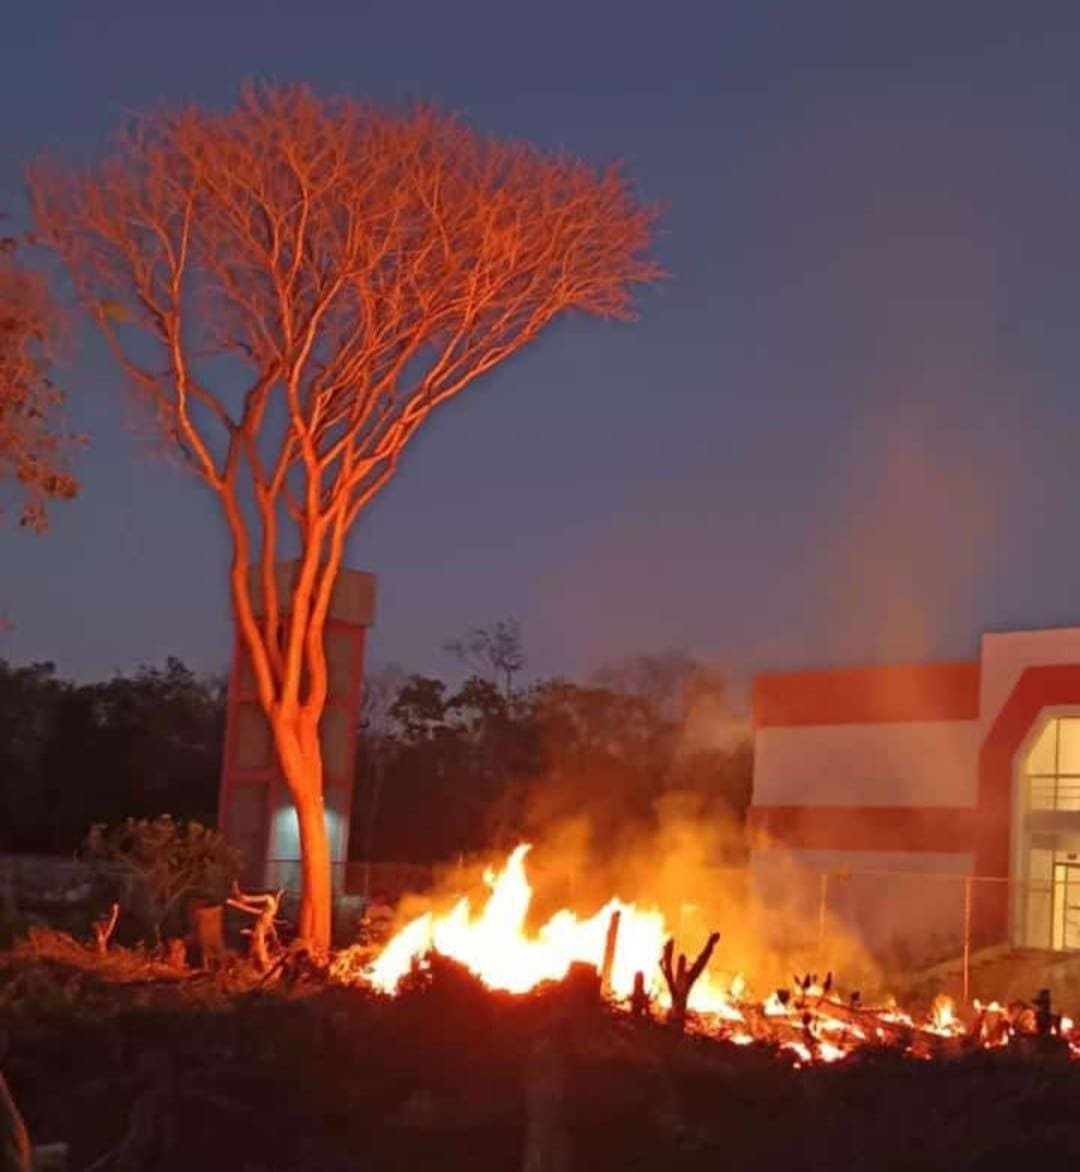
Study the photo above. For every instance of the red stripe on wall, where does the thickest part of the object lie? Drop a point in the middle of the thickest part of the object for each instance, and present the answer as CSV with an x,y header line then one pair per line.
x,y
867,695
916,829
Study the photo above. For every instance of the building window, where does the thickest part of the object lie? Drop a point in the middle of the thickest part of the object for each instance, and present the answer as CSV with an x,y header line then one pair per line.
x,y
1053,766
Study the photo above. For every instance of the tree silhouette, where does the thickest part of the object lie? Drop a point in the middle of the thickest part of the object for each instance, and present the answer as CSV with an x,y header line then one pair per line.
x,y
494,651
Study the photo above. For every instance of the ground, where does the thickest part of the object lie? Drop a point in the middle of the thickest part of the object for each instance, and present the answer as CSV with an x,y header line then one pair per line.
x,y
217,1073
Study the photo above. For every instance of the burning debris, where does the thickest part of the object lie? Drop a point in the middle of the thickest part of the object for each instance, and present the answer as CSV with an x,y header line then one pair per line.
x,y
637,968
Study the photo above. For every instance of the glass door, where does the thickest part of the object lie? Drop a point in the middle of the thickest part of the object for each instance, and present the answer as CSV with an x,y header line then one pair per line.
x,y
1066,914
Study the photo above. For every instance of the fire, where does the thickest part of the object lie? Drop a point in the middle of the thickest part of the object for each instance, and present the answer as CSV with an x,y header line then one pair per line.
x,y
494,945
813,1024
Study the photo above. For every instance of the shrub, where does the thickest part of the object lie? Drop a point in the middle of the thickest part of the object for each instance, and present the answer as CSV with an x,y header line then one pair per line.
x,y
165,863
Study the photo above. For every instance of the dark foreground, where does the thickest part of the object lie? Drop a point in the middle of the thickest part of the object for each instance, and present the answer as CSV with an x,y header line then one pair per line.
x,y
209,1074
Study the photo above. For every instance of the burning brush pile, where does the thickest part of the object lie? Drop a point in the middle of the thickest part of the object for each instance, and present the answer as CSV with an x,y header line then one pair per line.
x,y
631,954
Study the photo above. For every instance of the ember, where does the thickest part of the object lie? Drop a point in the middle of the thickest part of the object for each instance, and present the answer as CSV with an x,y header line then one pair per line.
x,y
634,950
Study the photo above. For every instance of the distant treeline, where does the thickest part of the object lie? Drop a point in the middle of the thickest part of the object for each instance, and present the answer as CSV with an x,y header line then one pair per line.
x,y
442,770
439,769
75,754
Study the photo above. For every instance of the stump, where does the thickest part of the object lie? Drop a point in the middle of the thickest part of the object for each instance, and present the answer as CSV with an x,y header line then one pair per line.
x,y
207,923
680,977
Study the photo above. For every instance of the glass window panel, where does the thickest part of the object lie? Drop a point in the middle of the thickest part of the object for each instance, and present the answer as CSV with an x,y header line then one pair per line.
x,y
1039,932
1071,929
1069,745
1058,929
1041,755
1040,864
1041,792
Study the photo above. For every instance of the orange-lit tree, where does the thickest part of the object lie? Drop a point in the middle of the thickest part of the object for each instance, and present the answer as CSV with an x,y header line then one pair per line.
x,y
34,447
294,285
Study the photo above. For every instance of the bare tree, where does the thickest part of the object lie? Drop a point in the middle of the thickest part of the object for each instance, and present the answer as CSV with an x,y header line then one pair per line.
x,y
666,679
494,651
34,446
382,686
294,285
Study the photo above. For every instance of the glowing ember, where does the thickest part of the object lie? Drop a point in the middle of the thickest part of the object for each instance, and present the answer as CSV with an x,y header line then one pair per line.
x,y
493,943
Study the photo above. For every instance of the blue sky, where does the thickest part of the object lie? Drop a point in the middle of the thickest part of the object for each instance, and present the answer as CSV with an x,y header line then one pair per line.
x,y
844,430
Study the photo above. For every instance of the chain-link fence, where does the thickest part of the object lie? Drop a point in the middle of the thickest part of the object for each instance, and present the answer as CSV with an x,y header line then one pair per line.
x,y
972,936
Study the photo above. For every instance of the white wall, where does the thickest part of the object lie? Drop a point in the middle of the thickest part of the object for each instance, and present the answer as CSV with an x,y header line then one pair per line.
x,y
903,764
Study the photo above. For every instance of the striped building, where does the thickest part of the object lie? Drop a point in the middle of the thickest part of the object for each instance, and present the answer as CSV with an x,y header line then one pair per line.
x,y
930,770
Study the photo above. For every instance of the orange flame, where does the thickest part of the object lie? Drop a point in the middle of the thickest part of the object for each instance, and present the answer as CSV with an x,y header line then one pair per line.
x,y
495,946
493,943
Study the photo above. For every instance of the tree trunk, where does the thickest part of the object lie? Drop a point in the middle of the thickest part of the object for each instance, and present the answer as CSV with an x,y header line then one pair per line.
x,y
316,887
300,756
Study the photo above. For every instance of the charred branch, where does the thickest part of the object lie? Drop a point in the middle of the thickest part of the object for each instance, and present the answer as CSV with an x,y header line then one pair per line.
x,y
265,944
640,1001
681,977
104,927
610,944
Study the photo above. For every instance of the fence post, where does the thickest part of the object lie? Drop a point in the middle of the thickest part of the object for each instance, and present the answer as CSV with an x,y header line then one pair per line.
x,y
823,899
967,937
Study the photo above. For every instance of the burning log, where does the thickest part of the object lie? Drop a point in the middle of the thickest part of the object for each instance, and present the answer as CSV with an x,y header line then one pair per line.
x,y
104,926
872,1027
264,937
681,979
640,1001
1046,1021
610,943
1032,1029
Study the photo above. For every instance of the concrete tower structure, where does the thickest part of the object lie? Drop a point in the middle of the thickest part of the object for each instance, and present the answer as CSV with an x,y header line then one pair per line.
x,y
255,810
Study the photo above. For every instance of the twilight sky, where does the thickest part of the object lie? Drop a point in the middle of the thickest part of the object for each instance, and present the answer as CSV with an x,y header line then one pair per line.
x,y
845,430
